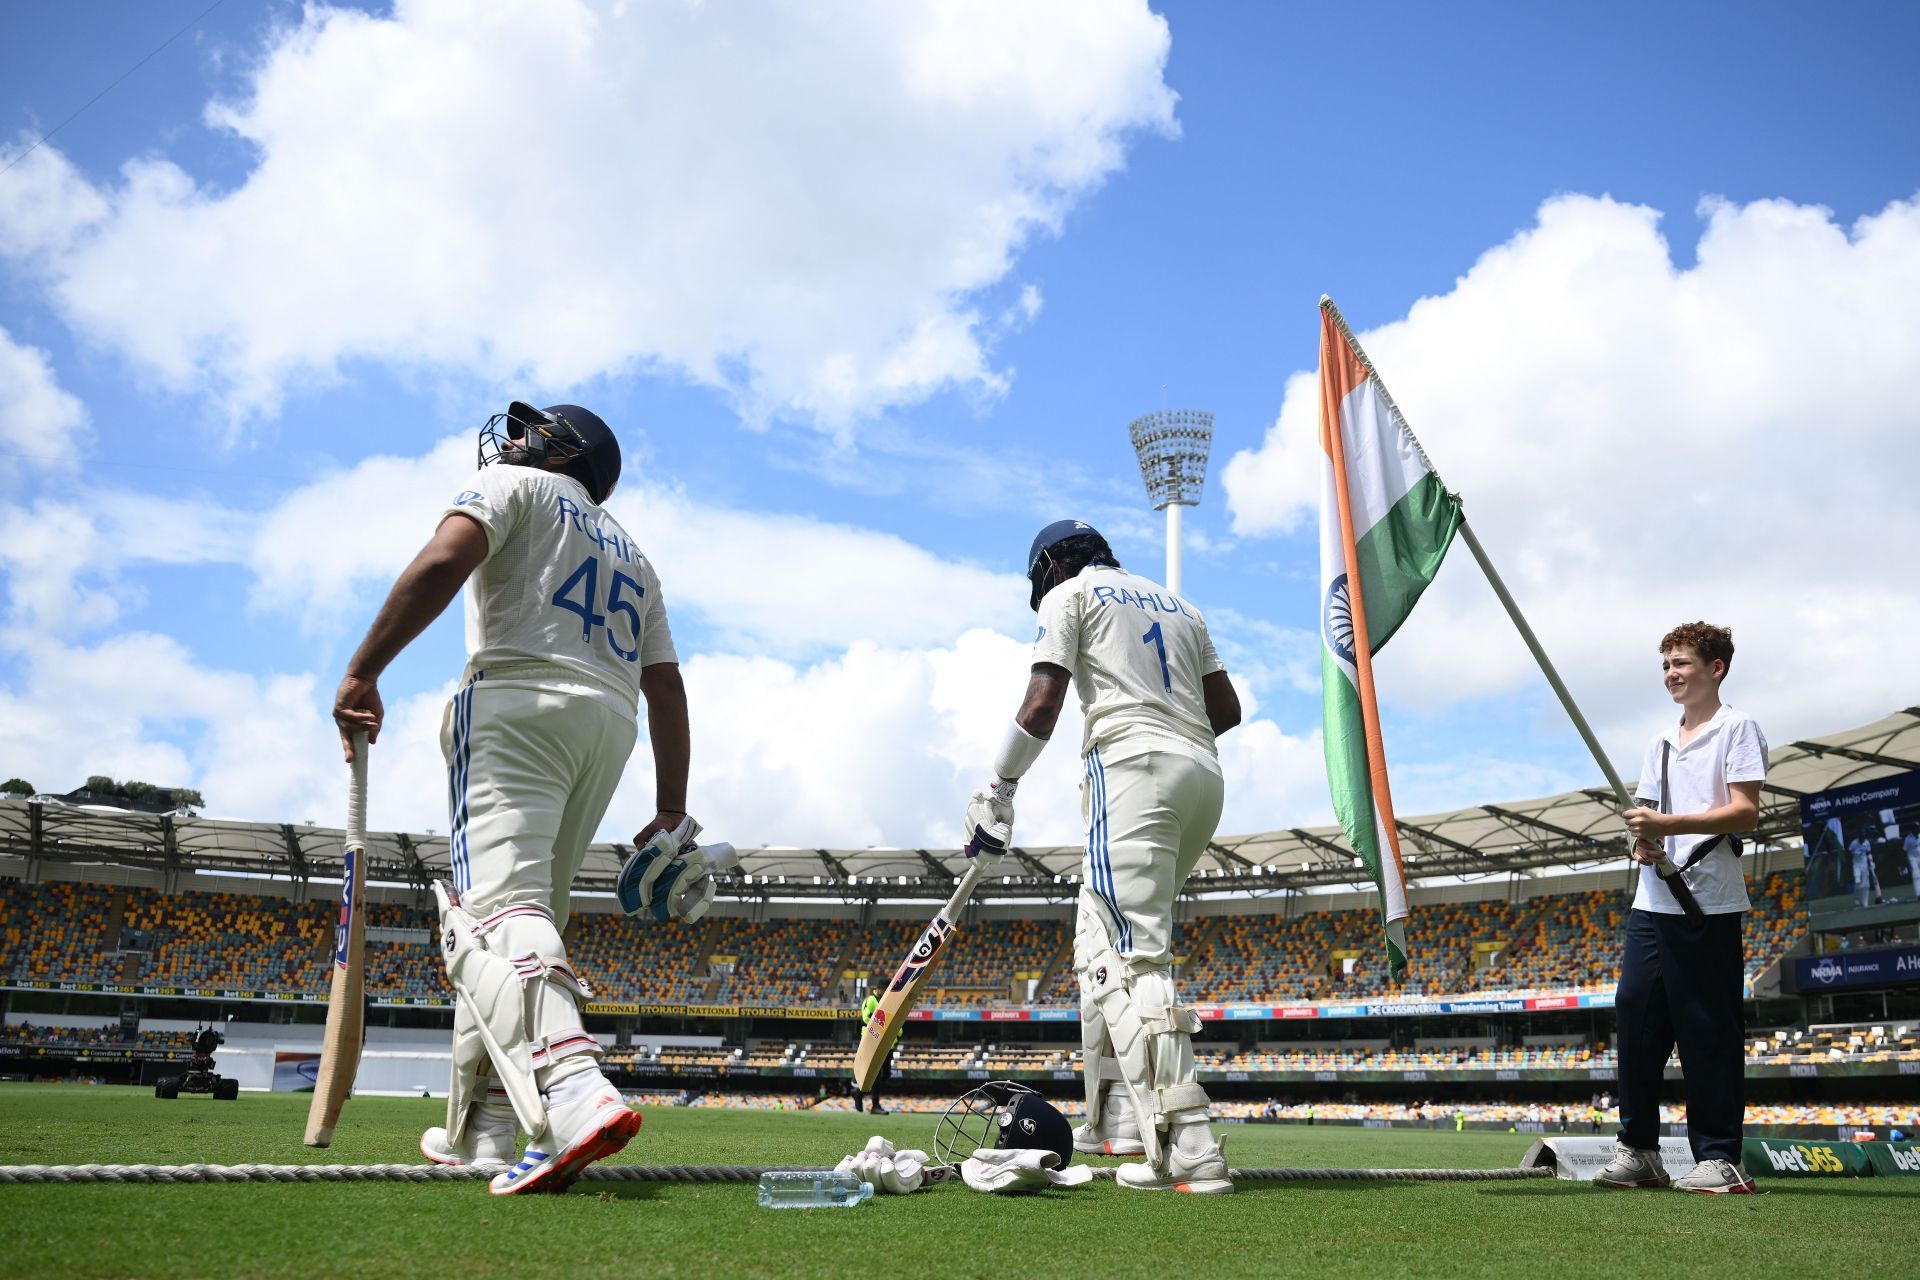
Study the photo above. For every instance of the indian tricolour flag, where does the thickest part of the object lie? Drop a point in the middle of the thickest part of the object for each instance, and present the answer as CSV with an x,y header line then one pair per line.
x,y
1385,524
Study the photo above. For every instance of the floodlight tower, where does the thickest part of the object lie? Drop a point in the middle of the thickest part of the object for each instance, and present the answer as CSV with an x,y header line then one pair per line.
x,y
1172,447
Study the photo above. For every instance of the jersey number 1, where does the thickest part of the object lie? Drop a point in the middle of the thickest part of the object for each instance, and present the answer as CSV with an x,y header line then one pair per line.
x,y
1154,638
587,579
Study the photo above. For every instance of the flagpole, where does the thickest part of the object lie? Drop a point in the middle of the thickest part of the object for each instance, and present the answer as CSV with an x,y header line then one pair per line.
x,y
1546,665
1486,567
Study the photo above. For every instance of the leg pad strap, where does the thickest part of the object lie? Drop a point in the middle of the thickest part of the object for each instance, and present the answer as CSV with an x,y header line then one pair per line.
x,y
1151,1039
519,1005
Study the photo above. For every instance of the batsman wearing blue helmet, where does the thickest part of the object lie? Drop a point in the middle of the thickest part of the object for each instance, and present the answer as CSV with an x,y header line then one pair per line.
x,y
1155,697
566,634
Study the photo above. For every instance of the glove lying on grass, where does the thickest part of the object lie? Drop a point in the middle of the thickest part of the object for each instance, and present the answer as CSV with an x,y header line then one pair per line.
x,y
1019,1169
892,1172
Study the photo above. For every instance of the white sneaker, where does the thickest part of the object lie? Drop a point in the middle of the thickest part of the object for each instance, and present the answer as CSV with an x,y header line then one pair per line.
x,y
1717,1178
1117,1133
492,1136
591,1126
1196,1163
1633,1167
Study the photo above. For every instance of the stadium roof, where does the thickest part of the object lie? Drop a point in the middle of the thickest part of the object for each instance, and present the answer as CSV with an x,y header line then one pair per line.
x,y
1572,830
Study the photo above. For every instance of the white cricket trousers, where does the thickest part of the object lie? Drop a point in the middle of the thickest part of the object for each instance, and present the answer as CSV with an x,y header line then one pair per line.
x,y
1148,818
531,769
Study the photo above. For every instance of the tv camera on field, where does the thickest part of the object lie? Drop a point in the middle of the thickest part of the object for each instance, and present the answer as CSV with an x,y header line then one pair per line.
x,y
200,1076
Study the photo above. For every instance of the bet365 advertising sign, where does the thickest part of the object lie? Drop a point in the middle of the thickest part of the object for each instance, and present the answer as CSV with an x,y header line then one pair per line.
x,y
1785,1158
1895,1159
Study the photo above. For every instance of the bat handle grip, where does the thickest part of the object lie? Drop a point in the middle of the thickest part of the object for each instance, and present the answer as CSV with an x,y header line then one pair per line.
x,y
964,890
357,793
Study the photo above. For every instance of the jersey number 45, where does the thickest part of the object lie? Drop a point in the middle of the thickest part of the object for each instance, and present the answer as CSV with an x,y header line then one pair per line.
x,y
582,588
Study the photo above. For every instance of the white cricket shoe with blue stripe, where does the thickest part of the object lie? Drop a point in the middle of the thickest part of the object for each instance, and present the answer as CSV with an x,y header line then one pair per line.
x,y
590,1127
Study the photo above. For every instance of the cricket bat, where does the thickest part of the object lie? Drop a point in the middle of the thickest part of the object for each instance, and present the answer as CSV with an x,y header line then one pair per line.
x,y
346,1002
890,1016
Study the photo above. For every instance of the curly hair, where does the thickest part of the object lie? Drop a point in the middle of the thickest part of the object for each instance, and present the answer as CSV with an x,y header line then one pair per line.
x,y
1703,638
1074,554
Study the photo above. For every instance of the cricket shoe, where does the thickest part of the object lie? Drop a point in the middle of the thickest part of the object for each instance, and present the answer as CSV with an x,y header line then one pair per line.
x,y
1118,1131
1717,1178
1631,1168
587,1128
1195,1163
491,1137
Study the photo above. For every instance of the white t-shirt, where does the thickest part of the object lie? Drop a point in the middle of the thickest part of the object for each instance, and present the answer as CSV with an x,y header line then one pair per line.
x,y
562,585
1729,749
1137,653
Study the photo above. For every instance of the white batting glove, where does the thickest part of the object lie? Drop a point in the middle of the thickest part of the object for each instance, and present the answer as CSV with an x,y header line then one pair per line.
x,y
1019,1169
893,1172
989,820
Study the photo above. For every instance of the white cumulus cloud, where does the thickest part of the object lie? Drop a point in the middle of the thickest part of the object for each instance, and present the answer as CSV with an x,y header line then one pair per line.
x,y
803,205
847,688
1640,444
44,427
751,581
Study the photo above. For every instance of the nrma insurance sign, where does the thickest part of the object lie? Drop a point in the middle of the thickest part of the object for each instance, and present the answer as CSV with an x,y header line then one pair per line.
x,y
1859,968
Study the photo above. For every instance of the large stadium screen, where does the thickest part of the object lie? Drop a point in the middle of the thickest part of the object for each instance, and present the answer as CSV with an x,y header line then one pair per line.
x,y
1863,853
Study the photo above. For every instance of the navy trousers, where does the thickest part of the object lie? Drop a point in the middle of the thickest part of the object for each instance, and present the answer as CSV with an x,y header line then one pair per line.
x,y
1681,986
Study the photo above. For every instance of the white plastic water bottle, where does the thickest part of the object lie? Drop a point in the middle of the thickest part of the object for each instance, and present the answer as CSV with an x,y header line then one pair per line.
x,y
812,1189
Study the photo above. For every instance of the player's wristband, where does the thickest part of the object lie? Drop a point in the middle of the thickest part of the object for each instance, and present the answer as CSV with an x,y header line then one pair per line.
x,y
1018,752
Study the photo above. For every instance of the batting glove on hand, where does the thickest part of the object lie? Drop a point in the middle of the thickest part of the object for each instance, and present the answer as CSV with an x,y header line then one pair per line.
x,y
664,876
989,821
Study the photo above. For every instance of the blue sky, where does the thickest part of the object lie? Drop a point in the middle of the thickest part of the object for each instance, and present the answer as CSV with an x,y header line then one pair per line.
x,y
870,301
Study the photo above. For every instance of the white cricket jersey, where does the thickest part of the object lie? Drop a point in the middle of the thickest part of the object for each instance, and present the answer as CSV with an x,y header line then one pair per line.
x,y
1137,653
563,593
1729,748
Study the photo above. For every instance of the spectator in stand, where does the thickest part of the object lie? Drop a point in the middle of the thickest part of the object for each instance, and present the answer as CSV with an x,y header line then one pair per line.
x,y
1681,980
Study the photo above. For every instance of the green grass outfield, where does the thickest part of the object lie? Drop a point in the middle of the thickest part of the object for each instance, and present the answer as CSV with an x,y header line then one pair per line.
x,y
457,1230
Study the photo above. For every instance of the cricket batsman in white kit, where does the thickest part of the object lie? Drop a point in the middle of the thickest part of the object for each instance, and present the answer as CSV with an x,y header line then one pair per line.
x,y
1155,697
566,632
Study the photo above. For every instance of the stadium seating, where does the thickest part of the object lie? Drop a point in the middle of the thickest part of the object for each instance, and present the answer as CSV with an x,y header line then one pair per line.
x,y
1568,942
85,1038
1777,921
979,968
235,941
56,932
1262,958
411,969
627,960
779,962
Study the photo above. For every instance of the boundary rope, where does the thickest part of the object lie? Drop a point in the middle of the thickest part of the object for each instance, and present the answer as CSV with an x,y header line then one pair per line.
x,y
20,1174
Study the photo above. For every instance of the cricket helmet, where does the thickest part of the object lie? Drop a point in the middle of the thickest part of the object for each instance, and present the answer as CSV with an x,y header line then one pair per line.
x,y
1060,544
524,436
1004,1114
